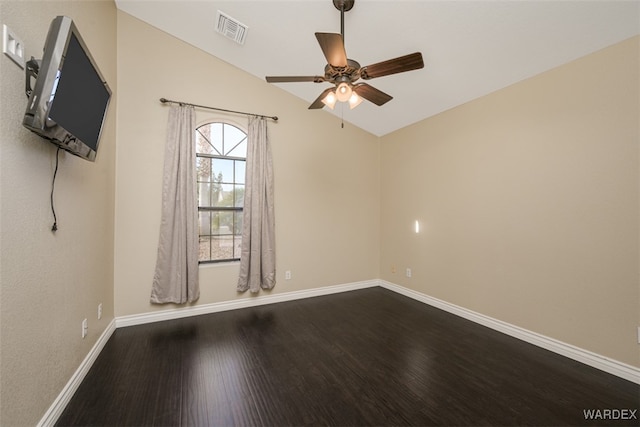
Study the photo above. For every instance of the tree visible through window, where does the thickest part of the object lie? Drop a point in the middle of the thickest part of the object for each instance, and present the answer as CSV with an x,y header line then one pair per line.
x,y
221,151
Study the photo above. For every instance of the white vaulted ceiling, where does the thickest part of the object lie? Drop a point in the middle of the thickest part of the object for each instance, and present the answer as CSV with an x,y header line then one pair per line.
x,y
470,48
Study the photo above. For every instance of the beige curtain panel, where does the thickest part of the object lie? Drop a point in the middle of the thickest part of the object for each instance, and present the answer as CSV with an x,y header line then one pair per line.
x,y
176,275
257,256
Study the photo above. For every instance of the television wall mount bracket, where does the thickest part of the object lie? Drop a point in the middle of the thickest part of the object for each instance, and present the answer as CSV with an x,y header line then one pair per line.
x,y
31,72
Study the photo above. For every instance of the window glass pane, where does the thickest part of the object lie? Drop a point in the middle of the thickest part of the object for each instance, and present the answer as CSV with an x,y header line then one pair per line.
x,y
242,150
216,137
216,194
215,222
222,247
205,249
240,171
237,225
225,222
204,223
221,222
239,150
204,193
233,135
203,140
238,196
222,195
237,246
222,170
233,138
237,234
203,169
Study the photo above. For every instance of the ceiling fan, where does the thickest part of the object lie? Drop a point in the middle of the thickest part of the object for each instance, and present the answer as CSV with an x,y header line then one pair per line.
x,y
344,72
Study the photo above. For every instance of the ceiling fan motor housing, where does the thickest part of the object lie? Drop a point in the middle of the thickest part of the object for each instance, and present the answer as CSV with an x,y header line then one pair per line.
x,y
350,73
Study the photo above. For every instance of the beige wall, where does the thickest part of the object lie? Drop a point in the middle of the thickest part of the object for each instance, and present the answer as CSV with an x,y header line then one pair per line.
x,y
50,282
326,178
528,201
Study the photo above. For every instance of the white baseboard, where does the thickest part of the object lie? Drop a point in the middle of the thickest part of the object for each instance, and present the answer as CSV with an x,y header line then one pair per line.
x,y
587,357
251,301
58,406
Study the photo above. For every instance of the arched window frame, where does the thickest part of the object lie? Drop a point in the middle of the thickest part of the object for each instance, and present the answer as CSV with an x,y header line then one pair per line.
x,y
220,168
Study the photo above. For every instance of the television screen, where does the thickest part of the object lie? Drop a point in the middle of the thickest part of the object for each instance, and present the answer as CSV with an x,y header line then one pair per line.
x,y
80,98
69,101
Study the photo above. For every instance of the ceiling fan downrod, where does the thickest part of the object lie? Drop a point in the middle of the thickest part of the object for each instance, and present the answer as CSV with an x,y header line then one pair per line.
x,y
343,6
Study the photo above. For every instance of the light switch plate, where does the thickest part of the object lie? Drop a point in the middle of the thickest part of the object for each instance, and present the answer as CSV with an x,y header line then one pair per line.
x,y
12,46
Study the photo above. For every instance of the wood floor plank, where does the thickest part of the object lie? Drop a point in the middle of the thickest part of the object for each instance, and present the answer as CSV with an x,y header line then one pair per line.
x,y
367,357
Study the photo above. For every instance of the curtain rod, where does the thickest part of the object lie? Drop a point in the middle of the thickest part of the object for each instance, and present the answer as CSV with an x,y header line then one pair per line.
x,y
165,100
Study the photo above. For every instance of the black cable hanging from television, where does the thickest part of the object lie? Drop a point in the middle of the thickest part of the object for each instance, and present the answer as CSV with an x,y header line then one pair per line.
x,y
54,227
165,101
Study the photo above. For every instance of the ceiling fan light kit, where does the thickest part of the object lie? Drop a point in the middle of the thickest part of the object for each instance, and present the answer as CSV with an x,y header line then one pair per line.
x,y
331,98
343,72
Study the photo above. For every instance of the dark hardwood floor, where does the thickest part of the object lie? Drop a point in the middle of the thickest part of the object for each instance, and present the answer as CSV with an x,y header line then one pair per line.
x,y
368,357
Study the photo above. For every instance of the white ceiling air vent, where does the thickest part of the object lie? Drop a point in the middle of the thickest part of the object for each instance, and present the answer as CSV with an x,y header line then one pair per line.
x,y
231,28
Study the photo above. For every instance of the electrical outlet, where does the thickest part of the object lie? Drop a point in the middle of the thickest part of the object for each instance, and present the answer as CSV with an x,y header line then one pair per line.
x,y
393,269
85,328
287,275
99,311
408,272
12,46
638,334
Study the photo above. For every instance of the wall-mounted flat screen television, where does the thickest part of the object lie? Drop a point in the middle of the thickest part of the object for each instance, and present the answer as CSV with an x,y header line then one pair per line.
x,y
69,100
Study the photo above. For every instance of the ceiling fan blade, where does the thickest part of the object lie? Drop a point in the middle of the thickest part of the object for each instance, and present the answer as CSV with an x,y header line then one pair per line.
x,y
317,104
413,61
332,46
294,79
372,94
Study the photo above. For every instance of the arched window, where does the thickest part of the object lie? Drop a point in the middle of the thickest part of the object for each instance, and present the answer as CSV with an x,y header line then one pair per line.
x,y
221,151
